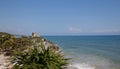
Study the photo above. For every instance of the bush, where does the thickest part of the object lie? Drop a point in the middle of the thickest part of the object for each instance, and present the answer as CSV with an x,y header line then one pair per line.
x,y
40,58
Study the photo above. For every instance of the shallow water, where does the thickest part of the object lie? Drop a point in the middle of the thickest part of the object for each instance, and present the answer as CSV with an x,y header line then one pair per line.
x,y
90,52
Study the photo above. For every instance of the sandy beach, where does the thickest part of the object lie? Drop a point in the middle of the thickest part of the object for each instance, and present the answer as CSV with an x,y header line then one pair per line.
x,y
4,62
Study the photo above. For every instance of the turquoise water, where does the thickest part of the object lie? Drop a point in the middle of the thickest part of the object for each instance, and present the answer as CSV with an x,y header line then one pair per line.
x,y
90,52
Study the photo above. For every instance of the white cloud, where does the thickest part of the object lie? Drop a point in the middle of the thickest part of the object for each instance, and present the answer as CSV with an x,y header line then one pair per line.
x,y
74,30
107,31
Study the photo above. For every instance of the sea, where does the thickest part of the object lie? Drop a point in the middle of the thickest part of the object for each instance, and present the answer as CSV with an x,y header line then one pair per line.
x,y
90,52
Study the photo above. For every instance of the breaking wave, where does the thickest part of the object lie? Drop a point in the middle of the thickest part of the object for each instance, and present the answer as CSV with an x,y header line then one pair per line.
x,y
81,66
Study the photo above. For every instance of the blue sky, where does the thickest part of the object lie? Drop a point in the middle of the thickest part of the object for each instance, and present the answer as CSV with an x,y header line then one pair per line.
x,y
60,17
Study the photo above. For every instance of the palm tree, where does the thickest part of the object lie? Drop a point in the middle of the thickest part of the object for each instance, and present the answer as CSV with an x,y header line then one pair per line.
x,y
39,58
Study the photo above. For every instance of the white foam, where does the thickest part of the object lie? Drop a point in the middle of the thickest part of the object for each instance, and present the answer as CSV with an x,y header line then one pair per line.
x,y
82,66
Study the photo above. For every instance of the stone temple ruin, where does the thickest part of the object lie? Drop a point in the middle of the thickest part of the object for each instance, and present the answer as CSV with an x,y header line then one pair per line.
x,y
35,34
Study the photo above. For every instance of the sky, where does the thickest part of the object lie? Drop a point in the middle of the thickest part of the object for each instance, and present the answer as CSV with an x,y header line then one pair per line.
x,y
60,17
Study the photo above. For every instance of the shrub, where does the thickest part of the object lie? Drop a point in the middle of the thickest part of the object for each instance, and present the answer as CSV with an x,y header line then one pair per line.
x,y
40,58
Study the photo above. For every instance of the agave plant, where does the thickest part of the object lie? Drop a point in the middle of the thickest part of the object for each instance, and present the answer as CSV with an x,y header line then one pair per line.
x,y
40,57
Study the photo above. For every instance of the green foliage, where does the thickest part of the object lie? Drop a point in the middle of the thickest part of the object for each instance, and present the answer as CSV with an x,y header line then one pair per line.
x,y
39,58
29,56
10,42
4,36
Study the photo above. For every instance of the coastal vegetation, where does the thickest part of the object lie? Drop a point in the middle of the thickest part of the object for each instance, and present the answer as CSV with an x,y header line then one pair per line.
x,y
40,58
10,43
31,52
